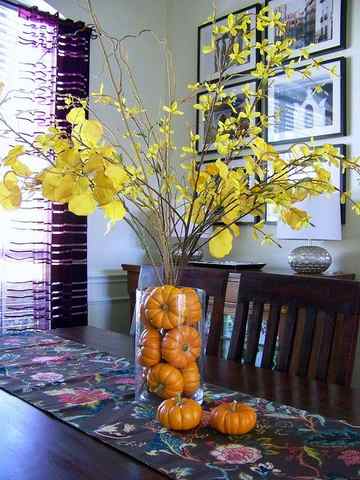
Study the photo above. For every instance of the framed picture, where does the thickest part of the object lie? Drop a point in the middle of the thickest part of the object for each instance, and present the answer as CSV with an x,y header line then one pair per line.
x,y
302,108
208,65
235,164
316,25
220,114
338,178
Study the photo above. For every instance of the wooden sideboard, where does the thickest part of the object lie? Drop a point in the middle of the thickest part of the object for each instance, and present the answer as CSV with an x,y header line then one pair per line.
x,y
232,287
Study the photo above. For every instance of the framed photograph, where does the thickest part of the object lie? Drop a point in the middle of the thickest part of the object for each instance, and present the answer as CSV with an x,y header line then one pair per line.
x,y
301,108
338,178
208,65
235,164
316,25
220,114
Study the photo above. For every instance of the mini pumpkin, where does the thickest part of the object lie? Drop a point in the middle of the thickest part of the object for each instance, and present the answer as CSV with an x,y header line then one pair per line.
x,y
179,413
192,306
143,318
149,348
165,380
191,376
233,418
163,307
181,346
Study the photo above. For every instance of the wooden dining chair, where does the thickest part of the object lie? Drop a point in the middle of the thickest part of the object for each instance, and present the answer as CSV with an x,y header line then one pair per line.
x,y
214,283
301,325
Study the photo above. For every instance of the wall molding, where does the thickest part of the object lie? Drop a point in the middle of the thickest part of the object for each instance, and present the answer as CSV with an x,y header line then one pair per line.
x,y
107,287
107,277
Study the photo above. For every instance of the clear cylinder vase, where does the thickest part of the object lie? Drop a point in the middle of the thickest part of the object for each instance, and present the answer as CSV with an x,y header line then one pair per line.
x,y
169,343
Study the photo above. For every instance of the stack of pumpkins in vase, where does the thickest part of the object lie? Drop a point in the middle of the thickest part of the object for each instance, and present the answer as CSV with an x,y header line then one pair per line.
x,y
170,344
169,351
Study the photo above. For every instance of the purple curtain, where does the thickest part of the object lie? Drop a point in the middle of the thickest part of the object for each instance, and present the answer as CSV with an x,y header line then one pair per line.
x,y
43,270
69,232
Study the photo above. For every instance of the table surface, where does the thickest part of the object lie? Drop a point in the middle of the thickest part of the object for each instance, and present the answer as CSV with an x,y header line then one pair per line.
x,y
35,446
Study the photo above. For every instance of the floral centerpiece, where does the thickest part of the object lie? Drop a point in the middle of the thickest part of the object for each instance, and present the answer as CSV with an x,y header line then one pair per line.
x,y
163,192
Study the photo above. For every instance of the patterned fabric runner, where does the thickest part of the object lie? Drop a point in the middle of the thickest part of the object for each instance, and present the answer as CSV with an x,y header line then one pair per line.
x,y
92,391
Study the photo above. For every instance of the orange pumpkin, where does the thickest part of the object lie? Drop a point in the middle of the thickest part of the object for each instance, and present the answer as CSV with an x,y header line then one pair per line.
x,y
165,380
192,306
149,348
143,318
163,307
191,376
179,413
181,346
233,418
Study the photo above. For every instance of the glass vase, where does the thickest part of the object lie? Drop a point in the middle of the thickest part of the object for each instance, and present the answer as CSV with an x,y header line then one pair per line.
x,y
169,343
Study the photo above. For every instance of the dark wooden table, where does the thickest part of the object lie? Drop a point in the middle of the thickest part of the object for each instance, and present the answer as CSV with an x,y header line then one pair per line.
x,y
35,446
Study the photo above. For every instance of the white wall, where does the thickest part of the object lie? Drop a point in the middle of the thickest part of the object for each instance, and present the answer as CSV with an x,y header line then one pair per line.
x,y
107,253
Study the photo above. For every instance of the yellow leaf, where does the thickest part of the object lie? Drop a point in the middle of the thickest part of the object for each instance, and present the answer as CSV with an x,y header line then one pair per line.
x,y
117,174
64,190
76,116
91,132
114,211
21,169
13,155
68,158
10,194
221,244
94,163
83,204
235,229
295,218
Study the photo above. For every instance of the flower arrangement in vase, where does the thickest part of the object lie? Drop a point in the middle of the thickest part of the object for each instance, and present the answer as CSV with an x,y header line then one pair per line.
x,y
163,192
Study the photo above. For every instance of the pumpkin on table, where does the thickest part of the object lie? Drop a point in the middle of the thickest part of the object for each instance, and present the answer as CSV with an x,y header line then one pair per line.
x,y
181,346
191,376
163,307
233,418
179,413
149,351
165,380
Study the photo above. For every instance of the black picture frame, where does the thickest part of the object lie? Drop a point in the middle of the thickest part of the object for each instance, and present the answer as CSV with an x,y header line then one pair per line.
x,y
343,183
341,131
341,5
200,28
199,113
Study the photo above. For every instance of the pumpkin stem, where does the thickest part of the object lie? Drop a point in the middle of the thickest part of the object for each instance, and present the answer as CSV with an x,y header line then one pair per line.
x,y
157,389
186,347
178,399
233,406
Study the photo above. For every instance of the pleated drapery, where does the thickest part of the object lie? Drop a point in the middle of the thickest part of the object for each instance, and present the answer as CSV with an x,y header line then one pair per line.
x,y
43,271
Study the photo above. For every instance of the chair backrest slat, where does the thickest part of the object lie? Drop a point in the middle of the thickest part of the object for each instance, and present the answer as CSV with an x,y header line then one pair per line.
x,y
326,343
239,331
254,330
287,340
270,340
305,325
307,341
214,283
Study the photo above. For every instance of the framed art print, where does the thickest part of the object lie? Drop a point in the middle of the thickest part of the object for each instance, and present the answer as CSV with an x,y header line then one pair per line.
x,y
208,65
301,108
318,25
321,203
220,114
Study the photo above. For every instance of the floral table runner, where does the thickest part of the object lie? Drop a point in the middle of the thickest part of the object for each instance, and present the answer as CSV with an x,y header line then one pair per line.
x,y
93,391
